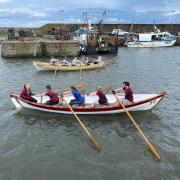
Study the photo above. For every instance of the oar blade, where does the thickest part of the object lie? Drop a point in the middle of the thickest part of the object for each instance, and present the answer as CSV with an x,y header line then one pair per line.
x,y
152,149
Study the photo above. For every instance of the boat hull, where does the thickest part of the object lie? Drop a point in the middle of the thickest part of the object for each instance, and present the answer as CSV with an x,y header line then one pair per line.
x,y
151,44
40,66
147,103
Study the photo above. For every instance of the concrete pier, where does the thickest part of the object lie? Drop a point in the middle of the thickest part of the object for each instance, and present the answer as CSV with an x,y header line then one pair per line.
x,y
16,49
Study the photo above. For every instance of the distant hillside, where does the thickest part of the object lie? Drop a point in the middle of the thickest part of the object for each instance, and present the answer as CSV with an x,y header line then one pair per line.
x,y
106,27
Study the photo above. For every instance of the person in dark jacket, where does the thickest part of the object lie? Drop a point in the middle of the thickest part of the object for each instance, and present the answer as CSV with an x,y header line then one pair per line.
x,y
54,99
79,99
102,97
27,94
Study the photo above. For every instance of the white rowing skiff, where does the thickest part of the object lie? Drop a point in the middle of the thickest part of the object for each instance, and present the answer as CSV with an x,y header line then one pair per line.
x,y
141,102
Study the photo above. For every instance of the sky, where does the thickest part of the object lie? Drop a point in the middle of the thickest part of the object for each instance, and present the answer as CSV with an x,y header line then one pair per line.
x,y
35,13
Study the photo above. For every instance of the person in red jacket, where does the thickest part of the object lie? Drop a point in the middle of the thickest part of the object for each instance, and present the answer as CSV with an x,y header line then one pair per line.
x,y
26,94
128,94
102,97
54,99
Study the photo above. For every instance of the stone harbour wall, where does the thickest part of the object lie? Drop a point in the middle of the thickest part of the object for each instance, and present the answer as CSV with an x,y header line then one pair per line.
x,y
17,49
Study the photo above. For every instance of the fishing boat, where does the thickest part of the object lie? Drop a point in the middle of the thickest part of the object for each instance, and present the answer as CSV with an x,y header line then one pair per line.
x,y
43,66
152,39
94,40
141,102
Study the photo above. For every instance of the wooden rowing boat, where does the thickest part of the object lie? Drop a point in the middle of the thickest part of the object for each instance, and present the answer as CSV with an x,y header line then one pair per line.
x,y
42,66
142,102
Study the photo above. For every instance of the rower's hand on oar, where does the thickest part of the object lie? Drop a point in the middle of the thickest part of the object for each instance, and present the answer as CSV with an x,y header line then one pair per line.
x,y
113,91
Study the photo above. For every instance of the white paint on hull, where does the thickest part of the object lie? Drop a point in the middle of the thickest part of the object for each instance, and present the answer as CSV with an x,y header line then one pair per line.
x,y
151,44
141,107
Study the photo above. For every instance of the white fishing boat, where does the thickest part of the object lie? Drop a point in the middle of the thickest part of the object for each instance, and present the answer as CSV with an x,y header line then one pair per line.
x,y
141,102
152,39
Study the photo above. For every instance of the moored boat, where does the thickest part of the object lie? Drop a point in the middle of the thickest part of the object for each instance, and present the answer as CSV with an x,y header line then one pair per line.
x,y
40,66
152,39
141,102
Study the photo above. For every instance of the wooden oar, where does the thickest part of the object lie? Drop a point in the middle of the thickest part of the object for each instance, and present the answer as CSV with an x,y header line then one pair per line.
x,y
80,69
105,88
55,74
153,150
55,70
82,125
81,86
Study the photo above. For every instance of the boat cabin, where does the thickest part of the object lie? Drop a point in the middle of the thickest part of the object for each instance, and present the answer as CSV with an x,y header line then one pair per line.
x,y
147,37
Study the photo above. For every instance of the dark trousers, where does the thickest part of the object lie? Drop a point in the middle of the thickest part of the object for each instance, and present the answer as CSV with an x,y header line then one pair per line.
x,y
74,102
32,100
103,102
51,103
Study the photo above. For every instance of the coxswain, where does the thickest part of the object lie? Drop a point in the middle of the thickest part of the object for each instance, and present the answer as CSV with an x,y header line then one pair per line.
x,y
27,94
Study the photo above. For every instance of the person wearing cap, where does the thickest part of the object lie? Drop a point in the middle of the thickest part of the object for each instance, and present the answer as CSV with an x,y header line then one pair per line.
x,y
102,97
27,94
79,99
128,93
54,99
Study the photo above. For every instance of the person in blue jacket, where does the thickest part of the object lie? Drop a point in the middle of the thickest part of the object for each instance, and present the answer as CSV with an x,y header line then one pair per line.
x,y
79,99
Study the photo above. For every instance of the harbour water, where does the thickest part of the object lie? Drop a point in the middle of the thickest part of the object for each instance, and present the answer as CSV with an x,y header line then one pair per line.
x,y
40,146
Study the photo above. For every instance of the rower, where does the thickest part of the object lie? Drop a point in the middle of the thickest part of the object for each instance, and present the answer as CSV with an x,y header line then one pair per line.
x,y
27,94
65,62
79,99
88,62
54,99
75,61
53,61
128,94
98,60
102,97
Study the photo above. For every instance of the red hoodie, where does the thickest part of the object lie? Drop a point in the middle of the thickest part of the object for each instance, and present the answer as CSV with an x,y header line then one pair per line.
x,y
128,94
26,94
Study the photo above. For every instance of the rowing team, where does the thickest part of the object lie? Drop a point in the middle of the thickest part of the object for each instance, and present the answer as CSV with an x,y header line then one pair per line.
x,y
75,61
79,99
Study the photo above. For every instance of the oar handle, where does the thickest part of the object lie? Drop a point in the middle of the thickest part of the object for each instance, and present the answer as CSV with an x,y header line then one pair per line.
x,y
82,85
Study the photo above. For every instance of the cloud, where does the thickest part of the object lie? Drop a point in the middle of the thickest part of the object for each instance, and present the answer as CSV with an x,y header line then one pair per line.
x,y
37,13
5,1
25,11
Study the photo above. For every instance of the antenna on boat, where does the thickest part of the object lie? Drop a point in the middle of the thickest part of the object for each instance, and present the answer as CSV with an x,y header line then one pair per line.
x,y
102,19
62,18
131,27
154,26
89,18
172,13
